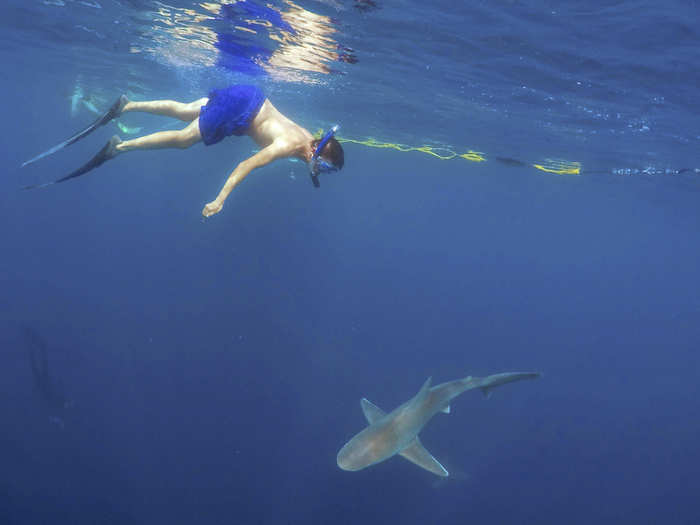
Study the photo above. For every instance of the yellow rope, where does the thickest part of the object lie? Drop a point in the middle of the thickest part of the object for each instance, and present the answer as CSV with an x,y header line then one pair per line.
x,y
556,166
440,152
559,167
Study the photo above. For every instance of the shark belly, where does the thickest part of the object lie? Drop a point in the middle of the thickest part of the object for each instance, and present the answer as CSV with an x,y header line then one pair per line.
x,y
373,445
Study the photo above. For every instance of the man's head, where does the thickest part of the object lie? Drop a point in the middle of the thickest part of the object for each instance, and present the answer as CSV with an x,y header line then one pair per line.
x,y
332,152
327,155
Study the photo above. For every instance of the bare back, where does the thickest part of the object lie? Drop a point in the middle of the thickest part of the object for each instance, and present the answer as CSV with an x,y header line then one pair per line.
x,y
270,126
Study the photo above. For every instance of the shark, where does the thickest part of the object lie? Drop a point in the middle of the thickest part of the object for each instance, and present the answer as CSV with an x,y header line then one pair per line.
x,y
397,432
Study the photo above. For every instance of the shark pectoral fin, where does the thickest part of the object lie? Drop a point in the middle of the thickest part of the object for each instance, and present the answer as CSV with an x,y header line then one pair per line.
x,y
446,410
371,411
416,453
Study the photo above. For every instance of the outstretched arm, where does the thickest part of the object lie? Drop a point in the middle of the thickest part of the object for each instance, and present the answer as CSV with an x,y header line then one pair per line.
x,y
263,157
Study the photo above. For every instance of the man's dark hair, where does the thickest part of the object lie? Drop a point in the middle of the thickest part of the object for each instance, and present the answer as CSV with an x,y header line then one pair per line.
x,y
332,152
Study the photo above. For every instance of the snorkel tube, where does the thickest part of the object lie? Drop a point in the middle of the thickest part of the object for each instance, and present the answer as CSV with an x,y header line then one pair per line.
x,y
318,165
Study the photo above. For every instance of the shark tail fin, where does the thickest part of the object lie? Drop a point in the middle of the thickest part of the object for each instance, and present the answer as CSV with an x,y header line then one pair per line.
x,y
490,382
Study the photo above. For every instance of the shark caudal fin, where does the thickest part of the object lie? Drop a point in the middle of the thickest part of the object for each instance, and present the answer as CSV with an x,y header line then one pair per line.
x,y
488,383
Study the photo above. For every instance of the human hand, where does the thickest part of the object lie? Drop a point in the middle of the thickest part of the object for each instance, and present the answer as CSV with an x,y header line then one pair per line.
x,y
212,208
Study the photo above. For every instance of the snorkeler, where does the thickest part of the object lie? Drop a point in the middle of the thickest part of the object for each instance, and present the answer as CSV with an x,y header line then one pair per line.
x,y
235,110
47,386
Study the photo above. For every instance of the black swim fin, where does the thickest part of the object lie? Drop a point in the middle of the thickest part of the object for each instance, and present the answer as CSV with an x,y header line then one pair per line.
x,y
112,113
315,181
108,151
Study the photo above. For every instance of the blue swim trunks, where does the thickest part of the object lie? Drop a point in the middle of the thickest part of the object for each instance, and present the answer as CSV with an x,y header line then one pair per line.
x,y
229,112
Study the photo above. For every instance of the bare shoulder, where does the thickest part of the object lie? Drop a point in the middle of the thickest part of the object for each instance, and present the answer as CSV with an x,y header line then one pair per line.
x,y
270,127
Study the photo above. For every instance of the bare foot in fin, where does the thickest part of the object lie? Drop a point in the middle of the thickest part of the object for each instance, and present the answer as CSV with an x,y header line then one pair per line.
x,y
115,110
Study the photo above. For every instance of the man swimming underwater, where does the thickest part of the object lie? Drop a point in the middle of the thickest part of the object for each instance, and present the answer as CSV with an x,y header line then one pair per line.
x,y
235,110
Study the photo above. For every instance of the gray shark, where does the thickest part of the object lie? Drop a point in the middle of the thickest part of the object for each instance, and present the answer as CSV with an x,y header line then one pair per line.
x,y
397,432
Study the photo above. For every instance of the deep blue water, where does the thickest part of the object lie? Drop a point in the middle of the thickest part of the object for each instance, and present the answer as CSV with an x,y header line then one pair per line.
x,y
214,368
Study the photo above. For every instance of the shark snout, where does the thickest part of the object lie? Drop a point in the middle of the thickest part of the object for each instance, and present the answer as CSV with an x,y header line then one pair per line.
x,y
358,453
344,459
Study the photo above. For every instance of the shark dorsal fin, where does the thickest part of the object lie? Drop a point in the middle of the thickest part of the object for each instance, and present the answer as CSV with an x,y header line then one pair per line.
x,y
416,453
425,388
371,411
422,394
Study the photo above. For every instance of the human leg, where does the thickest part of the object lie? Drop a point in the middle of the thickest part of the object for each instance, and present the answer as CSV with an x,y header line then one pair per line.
x,y
183,138
170,108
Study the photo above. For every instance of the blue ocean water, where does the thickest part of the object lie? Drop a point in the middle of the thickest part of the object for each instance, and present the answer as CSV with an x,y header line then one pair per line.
x,y
190,371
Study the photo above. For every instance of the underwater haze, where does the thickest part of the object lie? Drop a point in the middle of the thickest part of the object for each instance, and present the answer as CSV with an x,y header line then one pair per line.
x,y
520,194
